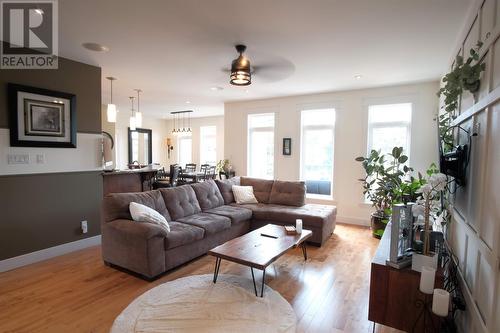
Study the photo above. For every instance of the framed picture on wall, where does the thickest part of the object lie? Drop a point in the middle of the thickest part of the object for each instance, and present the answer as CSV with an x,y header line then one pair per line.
x,y
41,117
287,146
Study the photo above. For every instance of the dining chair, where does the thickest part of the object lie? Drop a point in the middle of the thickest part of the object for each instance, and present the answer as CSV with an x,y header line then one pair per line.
x,y
211,173
175,171
172,179
204,167
190,167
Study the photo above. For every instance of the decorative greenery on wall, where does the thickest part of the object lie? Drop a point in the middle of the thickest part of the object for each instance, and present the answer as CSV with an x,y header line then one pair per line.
x,y
464,76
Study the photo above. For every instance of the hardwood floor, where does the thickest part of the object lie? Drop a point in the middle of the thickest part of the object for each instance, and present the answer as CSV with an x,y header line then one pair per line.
x,y
77,293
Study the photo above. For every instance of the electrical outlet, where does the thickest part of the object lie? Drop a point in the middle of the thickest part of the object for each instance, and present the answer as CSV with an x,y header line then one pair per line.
x,y
84,227
18,159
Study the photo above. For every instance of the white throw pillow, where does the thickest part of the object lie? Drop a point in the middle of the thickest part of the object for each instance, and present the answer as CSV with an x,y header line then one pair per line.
x,y
244,194
141,213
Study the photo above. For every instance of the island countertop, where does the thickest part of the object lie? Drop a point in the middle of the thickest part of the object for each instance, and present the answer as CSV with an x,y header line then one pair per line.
x,y
128,171
126,181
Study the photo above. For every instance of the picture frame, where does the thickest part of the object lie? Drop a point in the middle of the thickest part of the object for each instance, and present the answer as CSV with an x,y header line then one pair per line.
x,y
40,117
287,146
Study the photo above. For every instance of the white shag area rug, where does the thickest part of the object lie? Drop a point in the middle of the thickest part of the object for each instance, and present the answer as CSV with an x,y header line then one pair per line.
x,y
196,304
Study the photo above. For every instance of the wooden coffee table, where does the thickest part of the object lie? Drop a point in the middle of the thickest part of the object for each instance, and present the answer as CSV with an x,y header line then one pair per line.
x,y
258,249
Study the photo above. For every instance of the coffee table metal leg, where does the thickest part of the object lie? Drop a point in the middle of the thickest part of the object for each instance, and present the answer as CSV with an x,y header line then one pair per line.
x,y
263,282
304,250
253,279
217,266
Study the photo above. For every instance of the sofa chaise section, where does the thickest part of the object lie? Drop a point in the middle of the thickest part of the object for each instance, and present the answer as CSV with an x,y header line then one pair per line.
x,y
282,202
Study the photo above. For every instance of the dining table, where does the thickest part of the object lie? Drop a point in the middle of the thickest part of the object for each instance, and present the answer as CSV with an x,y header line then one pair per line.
x,y
195,176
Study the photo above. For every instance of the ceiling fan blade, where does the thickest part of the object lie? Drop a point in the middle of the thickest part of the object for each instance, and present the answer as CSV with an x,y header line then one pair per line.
x,y
274,71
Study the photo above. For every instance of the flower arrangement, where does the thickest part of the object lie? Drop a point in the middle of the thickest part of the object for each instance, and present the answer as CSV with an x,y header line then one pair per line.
x,y
223,166
429,204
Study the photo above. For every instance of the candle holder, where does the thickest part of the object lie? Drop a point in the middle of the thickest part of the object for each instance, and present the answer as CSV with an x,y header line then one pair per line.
x,y
426,314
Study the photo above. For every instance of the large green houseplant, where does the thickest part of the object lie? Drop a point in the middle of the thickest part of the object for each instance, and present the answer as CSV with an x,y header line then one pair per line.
x,y
384,184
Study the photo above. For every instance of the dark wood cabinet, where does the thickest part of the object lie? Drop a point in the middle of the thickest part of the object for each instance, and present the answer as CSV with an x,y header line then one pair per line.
x,y
394,292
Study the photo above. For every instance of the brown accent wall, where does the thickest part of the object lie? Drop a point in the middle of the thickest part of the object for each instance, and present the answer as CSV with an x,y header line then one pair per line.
x,y
72,77
38,211
44,210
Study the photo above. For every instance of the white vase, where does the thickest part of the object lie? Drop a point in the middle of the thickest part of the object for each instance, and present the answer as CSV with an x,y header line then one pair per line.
x,y
419,260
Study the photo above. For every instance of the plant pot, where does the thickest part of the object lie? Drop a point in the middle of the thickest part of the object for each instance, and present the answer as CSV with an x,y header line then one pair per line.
x,y
378,225
472,87
419,260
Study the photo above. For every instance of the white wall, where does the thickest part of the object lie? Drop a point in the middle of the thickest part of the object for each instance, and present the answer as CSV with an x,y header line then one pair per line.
x,y
474,233
350,136
162,129
196,123
160,133
86,157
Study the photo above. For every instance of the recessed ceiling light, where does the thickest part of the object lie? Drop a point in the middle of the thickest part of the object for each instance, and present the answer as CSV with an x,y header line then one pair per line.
x,y
95,47
188,102
217,88
357,77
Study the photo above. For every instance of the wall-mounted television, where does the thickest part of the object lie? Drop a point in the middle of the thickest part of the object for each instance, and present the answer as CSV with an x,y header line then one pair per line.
x,y
453,162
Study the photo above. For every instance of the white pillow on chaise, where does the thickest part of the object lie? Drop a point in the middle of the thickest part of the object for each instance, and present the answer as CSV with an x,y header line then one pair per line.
x,y
141,213
244,194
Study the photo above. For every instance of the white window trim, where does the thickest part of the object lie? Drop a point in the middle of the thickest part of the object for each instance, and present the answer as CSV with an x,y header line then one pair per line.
x,y
302,149
251,130
373,125
179,138
212,136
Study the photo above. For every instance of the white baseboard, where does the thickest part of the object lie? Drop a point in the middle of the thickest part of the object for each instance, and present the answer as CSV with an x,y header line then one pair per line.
x,y
353,220
33,257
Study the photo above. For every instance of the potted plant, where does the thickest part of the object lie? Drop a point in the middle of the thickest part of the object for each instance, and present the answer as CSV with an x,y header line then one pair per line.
x,y
382,184
223,166
464,76
429,207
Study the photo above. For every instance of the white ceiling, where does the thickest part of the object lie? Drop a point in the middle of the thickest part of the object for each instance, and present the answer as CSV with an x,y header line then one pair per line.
x,y
175,50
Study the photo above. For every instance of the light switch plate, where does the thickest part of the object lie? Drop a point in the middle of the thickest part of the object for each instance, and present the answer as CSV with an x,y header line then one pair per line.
x,y
18,159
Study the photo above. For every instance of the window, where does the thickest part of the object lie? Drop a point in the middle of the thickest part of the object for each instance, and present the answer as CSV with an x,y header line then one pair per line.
x,y
185,144
388,127
261,145
208,145
316,155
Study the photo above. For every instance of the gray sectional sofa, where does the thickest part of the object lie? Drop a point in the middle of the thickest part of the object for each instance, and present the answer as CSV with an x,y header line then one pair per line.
x,y
201,216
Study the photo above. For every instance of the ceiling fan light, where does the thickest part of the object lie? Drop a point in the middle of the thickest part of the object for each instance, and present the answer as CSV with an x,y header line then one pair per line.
x,y
111,113
240,78
240,71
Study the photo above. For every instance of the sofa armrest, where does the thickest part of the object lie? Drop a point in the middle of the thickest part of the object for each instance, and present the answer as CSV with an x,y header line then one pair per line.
x,y
136,229
136,246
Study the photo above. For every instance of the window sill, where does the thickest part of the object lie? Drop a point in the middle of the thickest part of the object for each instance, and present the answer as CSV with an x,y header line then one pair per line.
x,y
319,197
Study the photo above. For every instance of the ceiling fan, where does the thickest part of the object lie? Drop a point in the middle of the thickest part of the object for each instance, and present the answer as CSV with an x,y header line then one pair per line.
x,y
275,69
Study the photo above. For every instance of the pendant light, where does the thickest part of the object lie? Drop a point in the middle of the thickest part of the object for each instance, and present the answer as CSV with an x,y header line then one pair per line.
x,y
138,114
240,69
182,122
132,122
111,111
